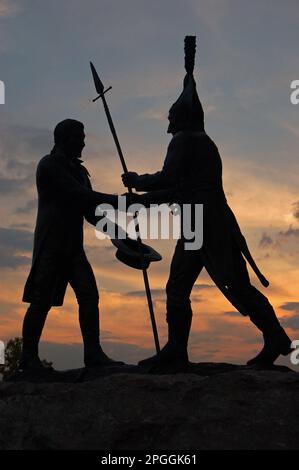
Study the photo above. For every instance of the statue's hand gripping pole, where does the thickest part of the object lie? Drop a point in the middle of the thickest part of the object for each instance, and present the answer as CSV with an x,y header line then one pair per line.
x,y
101,94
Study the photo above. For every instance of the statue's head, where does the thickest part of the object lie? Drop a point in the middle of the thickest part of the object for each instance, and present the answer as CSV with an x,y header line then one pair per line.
x,y
187,112
69,136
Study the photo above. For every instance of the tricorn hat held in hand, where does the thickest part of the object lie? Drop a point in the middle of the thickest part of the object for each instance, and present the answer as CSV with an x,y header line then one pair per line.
x,y
129,254
187,112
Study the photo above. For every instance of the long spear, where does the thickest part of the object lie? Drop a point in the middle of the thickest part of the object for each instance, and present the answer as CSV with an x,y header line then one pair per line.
x,y
101,94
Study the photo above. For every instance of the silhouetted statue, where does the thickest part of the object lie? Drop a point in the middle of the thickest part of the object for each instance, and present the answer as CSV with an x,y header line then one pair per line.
x,y
192,173
65,198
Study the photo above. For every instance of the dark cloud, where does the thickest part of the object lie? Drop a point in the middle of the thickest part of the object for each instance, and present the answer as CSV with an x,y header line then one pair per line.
x,y
283,239
203,286
20,144
28,207
265,256
17,176
291,232
196,298
232,313
283,243
20,168
141,293
9,185
20,150
265,241
13,244
296,210
162,292
291,306
291,321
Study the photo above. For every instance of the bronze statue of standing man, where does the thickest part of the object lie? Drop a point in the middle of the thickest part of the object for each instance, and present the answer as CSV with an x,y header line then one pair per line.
x,y
65,199
192,172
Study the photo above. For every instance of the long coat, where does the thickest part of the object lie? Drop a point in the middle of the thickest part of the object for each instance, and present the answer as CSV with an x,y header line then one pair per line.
x,y
192,173
65,198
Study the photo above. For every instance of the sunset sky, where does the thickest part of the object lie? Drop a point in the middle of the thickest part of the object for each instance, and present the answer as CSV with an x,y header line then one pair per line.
x,y
247,57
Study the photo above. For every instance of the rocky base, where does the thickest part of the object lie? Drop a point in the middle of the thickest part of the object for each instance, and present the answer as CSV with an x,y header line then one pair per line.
x,y
208,406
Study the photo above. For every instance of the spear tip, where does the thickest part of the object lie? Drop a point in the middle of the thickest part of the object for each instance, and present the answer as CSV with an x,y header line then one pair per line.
x,y
97,82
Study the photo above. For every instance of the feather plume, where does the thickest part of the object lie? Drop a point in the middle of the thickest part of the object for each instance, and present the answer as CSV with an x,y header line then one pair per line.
x,y
190,48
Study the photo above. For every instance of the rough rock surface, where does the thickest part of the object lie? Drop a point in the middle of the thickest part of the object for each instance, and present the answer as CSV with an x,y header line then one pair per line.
x,y
212,406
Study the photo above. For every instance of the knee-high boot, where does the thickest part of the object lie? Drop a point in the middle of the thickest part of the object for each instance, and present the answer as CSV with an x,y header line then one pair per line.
x,y
33,325
90,329
175,350
276,341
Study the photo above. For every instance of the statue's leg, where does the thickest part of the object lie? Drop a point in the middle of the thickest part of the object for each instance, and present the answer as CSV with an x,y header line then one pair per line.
x,y
33,325
261,313
185,268
83,282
